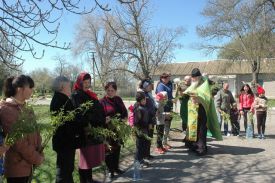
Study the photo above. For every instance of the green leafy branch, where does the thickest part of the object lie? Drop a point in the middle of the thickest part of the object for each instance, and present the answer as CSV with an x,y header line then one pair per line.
x,y
124,131
60,118
25,124
225,117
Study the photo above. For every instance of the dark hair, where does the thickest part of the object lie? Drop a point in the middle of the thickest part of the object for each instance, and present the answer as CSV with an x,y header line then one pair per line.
x,y
164,75
13,82
249,89
140,96
111,84
87,76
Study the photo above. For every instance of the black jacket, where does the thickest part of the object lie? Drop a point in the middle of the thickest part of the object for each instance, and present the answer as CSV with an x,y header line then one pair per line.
x,y
95,116
71,134
141,116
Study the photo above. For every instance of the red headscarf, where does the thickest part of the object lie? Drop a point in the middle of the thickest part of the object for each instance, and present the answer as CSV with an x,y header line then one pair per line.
x,y
79,82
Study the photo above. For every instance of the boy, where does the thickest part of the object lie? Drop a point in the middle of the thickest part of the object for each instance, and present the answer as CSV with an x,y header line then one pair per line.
x,y
141,122
235,120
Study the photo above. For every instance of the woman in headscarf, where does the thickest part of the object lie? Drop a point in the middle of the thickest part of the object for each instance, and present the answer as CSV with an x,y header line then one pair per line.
x,y
93,154
113,107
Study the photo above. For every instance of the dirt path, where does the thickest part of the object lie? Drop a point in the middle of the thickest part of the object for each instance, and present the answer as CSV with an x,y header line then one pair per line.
x,y
235,159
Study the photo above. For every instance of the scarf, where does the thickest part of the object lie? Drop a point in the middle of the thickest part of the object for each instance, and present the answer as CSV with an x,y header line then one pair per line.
x,y
79,82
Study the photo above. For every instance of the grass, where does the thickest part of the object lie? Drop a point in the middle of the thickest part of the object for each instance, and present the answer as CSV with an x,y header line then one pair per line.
x,y
46,172
271,103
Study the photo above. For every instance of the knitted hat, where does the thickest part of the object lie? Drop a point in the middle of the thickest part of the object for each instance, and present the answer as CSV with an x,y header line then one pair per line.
x,y
260,90
195,72
161,96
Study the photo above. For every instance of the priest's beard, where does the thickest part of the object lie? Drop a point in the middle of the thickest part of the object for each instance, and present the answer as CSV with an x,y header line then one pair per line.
x,y
195,83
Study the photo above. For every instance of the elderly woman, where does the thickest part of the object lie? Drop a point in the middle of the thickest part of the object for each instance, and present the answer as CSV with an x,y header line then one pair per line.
x,y
113,107
93,154
68,136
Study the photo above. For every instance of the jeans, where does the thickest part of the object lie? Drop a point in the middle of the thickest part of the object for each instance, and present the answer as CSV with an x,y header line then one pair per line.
x,y
225,125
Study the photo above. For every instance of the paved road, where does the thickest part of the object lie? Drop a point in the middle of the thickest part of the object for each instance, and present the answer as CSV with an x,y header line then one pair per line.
x,y
235,159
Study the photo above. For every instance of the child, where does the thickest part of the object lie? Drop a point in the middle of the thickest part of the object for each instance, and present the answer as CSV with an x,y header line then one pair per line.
x,y
3,149
141,122
260,104
131,116
161,98
235,120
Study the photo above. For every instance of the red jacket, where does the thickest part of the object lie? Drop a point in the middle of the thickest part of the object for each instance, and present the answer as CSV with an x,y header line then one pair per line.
x,y
246,101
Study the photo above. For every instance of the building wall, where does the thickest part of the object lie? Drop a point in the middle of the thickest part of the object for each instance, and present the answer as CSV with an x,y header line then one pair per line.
x,y
266,80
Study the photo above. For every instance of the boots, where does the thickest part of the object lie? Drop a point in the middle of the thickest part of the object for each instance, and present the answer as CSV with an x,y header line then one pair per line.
x,y
85,175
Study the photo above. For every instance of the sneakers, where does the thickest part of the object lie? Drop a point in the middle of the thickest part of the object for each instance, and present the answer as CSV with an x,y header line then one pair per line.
x,y
111,175
259,136
228,134
167,147
144,164
263,137
159,151
118,171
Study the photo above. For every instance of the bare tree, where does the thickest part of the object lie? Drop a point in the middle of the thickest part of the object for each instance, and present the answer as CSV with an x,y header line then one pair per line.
x,y
23,22
61,64
95,35
248,23
142,48
64,68
124,40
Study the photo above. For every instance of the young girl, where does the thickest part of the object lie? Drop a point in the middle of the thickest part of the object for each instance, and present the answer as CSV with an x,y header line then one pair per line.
x,y
161,98
260,105
22,155
246,99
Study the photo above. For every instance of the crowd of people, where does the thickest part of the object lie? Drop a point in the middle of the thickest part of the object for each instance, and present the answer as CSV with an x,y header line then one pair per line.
x,y
200,112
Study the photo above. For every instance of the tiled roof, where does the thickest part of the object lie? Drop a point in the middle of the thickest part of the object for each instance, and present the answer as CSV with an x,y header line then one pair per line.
x,y
216,67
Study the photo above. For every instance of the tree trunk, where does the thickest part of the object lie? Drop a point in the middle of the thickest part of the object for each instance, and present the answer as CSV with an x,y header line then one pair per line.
x,y
255,73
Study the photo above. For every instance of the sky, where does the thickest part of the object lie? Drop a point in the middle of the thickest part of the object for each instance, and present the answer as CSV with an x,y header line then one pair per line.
x,y
165,13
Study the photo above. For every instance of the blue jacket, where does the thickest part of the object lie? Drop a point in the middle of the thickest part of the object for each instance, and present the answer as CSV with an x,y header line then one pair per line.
x,y
169,89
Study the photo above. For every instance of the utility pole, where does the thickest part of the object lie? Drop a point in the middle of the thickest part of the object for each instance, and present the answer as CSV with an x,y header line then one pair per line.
x,y
93,60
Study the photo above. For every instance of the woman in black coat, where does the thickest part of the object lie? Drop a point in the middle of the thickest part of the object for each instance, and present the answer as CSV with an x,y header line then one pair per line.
x,y
68,136
93,154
